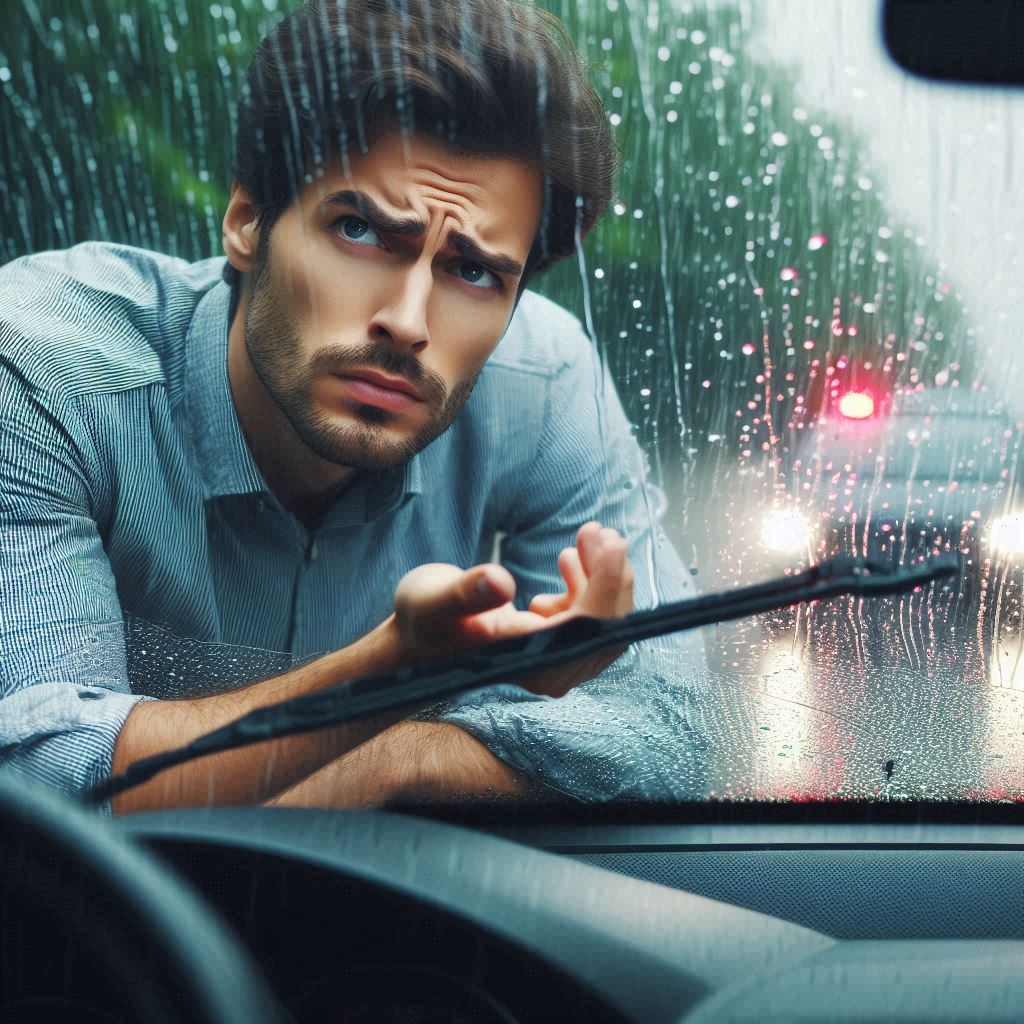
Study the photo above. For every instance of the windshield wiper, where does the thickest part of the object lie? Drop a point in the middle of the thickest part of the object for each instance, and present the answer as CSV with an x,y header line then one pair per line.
x,y
516,657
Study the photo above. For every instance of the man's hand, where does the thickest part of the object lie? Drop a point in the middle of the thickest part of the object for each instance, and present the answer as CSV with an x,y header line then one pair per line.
x,y
441,609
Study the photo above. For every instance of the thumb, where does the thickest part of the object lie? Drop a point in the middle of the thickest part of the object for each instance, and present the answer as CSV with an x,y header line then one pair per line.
x,y
439,593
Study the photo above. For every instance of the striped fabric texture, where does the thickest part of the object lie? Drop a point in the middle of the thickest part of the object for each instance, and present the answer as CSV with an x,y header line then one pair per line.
x,y
143,557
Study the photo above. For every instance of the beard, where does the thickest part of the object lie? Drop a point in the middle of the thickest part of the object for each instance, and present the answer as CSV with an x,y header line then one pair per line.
x,y
365,442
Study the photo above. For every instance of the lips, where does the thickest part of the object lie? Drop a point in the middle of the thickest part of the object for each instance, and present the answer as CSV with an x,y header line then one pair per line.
x,y
383,382
369,388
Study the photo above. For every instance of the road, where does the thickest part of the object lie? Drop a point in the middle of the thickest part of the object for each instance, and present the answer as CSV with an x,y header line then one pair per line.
x,y
841,702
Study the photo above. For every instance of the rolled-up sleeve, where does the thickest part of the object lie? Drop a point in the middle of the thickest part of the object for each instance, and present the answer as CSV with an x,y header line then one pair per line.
x,y
627,733
64,693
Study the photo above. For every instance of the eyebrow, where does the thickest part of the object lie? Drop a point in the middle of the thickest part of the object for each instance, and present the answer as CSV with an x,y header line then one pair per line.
x,y
465,246
496,261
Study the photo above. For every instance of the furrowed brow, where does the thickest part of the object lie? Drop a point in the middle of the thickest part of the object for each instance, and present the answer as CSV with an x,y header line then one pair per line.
x,y
496,261
499,263
379,217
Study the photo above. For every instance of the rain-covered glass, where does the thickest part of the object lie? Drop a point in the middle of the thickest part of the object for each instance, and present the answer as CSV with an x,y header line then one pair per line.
x,y
806,289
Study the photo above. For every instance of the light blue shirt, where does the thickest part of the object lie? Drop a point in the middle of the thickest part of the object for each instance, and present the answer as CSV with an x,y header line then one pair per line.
x,y
142,555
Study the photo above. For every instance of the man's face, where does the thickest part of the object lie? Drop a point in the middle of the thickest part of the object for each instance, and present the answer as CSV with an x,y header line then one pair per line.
x,y
381,292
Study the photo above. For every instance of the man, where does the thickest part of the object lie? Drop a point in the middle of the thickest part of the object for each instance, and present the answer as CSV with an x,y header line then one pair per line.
x,y
257,462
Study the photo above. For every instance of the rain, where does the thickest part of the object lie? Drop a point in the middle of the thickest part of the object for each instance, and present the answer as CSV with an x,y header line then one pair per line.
x,y
807,292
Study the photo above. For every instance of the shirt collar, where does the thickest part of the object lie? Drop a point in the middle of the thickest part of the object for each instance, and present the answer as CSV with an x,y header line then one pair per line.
x,y
373,494
225,463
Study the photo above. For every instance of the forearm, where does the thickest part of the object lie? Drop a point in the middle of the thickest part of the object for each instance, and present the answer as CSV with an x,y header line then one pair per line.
x,y
250,774
411,760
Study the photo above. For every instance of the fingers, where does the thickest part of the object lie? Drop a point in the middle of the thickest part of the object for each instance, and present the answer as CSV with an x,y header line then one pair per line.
x,y
486,586
597,574
438,605
610,591
571,568
602,554
588,544
549,604
438,593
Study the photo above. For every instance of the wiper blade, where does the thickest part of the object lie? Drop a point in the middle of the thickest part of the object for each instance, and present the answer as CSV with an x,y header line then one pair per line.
x,y
516,657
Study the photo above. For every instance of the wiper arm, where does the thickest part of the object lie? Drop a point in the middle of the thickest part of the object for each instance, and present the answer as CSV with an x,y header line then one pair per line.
x,y
371,695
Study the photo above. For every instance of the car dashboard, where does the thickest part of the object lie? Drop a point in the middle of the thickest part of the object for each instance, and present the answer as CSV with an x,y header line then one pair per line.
x,y
370,915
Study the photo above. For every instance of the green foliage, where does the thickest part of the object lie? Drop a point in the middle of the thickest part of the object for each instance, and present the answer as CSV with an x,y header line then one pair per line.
x,y
118,118
762,229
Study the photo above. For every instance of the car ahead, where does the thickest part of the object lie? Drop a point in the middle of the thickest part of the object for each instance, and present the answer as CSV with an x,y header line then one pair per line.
x,y
851,848
899,479
934,473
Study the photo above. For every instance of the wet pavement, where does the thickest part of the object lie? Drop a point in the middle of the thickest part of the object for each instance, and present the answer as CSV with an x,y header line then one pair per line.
x,y
838,703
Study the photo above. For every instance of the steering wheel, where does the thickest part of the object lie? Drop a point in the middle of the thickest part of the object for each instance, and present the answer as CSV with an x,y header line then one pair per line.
x,y
92,929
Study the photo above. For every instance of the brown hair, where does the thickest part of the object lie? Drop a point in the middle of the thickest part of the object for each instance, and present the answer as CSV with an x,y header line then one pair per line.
x,y
486,77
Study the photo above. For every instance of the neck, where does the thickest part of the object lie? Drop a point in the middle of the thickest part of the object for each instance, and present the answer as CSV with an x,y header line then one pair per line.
x,y
304,483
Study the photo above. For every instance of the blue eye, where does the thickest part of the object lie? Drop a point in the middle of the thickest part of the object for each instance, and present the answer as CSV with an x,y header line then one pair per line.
x,y
479,277
355,229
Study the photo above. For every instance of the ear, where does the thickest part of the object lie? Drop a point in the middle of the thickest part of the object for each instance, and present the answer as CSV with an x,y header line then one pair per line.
x,y
239,233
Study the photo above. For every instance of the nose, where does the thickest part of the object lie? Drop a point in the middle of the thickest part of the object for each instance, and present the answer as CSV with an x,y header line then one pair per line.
x,y
401,318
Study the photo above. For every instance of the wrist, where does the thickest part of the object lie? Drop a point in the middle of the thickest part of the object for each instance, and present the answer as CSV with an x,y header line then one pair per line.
x,y
386,648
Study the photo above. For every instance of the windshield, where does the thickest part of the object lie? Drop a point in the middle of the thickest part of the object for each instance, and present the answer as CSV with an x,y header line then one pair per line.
x,y
806,293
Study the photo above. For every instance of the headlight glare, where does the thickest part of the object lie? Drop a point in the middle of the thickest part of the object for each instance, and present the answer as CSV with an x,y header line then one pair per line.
x,y
1007,534
785,530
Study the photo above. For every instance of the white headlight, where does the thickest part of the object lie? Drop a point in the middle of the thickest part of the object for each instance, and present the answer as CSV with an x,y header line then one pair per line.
x,y
785,530
1007,534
